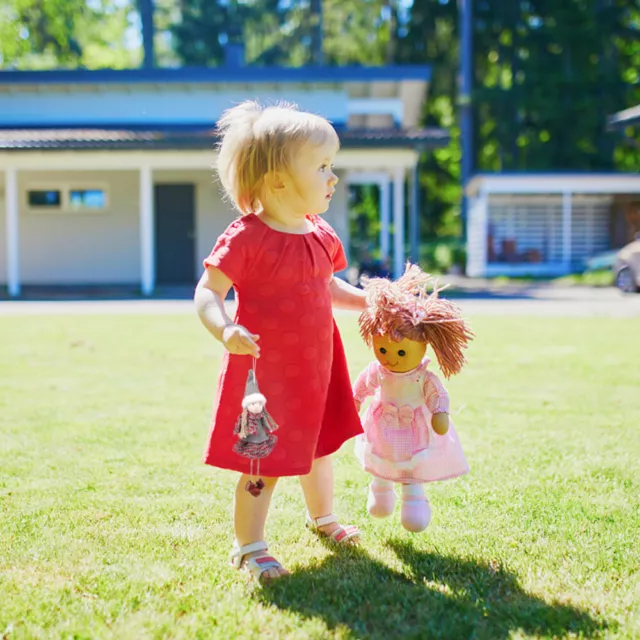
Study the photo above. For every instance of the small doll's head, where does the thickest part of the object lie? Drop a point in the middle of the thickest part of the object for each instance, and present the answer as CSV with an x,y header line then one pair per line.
x,y
401,319
276,154
253,403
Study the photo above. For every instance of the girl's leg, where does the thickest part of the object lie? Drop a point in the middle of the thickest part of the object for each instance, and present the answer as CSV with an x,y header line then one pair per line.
x,y
250,516
317,487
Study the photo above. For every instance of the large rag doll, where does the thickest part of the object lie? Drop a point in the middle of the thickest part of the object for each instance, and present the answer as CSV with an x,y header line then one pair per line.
x,y
408,434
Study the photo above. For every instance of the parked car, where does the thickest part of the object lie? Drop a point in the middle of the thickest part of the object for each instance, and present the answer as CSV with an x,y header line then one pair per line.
x,y
627,267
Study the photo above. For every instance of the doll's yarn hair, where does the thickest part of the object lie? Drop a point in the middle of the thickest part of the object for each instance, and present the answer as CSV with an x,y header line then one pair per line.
x,y
405,309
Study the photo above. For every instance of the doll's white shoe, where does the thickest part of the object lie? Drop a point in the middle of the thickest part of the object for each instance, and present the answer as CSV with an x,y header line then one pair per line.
x,y
382,498
415,514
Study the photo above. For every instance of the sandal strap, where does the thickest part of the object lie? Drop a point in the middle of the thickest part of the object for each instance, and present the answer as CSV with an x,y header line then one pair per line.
x,y
259,564
322,520
238,553
342,534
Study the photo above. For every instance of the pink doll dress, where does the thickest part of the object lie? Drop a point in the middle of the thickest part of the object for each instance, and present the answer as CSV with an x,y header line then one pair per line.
x,y
399,443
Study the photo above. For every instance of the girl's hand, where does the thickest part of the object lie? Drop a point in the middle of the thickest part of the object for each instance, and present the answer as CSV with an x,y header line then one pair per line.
x,y
358,404
238,341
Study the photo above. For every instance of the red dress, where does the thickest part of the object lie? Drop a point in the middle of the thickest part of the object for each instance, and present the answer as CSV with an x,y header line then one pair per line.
x,y
281,283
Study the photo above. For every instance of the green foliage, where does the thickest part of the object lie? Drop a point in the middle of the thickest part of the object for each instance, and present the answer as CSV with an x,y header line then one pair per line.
x,y
49,34
547,73
547,76
364,223
443,255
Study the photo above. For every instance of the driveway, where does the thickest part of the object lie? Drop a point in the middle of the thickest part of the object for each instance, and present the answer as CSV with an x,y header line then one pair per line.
x,y
536,300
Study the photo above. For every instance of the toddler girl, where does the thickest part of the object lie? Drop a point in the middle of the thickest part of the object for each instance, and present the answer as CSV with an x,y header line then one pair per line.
x,y
275,165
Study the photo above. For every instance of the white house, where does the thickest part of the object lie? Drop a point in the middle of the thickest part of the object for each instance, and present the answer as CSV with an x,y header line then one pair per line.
x,y
106,176
547,224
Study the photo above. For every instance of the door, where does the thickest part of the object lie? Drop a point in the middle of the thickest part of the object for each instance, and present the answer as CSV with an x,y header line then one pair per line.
x,y
175,234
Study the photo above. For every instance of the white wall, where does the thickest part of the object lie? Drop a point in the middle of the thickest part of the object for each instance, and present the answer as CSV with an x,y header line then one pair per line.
x,y
3,233
59,248
337,215
477,236
80,248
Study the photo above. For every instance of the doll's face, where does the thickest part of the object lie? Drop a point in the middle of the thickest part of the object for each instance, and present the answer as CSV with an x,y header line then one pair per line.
x,y
398,356
255,407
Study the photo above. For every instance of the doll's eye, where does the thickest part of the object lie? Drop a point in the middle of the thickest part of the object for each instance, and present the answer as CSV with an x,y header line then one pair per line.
x,y
402,352
383,350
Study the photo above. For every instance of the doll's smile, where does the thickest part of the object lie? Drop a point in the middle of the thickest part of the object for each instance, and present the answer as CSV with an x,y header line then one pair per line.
x,y
408,353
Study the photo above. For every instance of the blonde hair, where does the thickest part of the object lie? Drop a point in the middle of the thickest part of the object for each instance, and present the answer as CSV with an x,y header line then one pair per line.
x,y
256,140
404,309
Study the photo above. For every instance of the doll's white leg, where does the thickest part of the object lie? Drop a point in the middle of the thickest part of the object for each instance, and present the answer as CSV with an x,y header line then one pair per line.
x,y
415,514
382,498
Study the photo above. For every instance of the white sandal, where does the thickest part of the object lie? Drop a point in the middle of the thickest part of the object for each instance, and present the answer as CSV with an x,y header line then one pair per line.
x,y
257,565
341,535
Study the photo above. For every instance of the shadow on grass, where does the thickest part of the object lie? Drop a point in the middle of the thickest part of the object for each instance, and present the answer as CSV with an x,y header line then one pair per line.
x,y
434,597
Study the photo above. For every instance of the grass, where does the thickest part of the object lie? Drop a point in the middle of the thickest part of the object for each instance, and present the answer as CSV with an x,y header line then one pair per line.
x,y
600,278
112,528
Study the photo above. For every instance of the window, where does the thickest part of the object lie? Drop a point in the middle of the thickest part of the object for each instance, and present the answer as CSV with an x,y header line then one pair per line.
x,y
87,199
44,198
525,229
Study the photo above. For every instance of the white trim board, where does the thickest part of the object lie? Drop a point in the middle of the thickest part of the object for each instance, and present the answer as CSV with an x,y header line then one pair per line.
x,y
554,183
69,160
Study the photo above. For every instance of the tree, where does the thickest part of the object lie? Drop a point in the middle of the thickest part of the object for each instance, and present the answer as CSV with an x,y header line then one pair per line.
x,y
48,34
546,76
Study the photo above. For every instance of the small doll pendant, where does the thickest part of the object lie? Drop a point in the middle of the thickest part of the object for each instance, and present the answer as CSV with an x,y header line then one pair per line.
x,y
254,429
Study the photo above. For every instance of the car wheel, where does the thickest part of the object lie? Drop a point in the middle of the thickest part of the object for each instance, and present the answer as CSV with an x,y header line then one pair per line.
x,y
625,280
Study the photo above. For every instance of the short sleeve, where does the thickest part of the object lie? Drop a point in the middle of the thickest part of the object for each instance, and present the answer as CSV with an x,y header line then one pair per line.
x,y
435,395
338,257
230,251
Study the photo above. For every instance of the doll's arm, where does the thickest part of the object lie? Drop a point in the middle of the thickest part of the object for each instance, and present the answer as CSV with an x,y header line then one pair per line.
x,y
366,384
437,400
269,422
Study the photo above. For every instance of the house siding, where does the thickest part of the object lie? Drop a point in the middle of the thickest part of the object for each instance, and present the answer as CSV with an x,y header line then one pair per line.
x,y
80,248
60,248
3,232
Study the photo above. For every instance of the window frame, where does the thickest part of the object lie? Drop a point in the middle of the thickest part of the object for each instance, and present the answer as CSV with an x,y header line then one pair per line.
x,y
65,189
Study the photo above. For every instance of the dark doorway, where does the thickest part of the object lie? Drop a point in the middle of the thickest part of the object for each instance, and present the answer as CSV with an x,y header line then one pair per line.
x,y
175,234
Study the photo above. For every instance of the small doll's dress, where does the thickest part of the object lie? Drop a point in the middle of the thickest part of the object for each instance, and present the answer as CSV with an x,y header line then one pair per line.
x,y
281,282
399,443
259,440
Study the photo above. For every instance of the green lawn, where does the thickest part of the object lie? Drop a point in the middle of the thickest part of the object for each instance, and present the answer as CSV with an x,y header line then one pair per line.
x,y
112,528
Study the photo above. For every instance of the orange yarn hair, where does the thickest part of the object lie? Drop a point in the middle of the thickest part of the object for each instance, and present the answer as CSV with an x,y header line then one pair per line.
x,y
404,309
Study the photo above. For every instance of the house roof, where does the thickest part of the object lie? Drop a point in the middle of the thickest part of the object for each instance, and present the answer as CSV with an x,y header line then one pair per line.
x,y
193,137
227,74
626,118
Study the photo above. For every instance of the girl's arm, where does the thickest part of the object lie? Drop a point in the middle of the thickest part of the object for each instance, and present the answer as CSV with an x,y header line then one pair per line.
x,y
437,400
209,297
346,296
